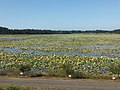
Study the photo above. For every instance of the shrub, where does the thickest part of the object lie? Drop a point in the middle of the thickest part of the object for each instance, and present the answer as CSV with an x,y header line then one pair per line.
x,y
24,68
1,88
102,76
57,72
17,88
115,68
79,74
12,88
68,68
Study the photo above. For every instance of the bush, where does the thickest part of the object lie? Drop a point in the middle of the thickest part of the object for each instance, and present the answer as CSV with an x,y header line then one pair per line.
x,y
102,76
13,88
16,88
68,68
24,68
2,74
9,72
79,74
115,68
1,88
57,72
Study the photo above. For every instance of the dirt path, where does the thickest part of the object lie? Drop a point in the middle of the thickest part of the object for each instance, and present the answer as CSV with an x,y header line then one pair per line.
x,y
83,84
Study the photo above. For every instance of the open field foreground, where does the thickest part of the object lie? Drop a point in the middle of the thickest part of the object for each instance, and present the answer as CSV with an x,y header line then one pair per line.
x,y
61,55
68,84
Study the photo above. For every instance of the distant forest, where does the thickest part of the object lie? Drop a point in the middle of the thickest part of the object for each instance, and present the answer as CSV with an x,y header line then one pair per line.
x,y
4,30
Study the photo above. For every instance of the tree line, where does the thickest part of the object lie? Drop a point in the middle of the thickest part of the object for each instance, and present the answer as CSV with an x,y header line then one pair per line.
x,y
4,30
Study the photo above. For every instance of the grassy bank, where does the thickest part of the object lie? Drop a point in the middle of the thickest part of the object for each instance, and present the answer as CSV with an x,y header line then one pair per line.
x,y
47,88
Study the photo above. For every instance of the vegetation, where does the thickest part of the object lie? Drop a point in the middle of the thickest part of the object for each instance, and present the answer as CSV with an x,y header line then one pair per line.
x,y
4,30
17,88
15,58
47,88
57,65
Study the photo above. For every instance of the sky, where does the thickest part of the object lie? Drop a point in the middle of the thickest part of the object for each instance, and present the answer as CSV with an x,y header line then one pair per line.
x,y
60,14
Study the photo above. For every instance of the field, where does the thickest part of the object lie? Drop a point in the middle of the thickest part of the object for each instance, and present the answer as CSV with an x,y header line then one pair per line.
x,y
60,55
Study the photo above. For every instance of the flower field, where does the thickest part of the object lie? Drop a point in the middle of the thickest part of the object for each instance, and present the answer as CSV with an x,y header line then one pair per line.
x,y
61,55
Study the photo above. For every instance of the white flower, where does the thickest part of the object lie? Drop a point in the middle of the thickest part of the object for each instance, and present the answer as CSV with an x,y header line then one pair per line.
x,y
21,73
113,78
69,76
1,62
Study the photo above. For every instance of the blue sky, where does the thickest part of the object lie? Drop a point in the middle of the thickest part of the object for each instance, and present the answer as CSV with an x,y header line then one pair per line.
x,y
60,14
